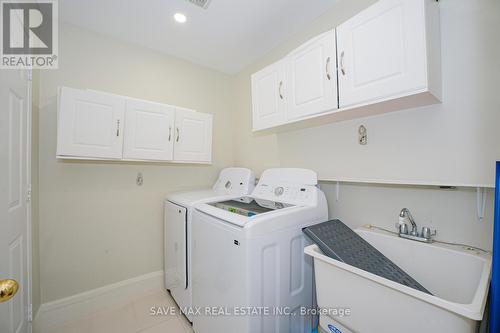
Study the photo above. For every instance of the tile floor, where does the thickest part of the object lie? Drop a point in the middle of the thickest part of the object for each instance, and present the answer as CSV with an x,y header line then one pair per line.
x,y
133,318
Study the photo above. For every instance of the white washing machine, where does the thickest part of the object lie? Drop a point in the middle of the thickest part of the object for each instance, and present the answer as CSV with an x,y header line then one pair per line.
x,y
250,256
328,325
231,184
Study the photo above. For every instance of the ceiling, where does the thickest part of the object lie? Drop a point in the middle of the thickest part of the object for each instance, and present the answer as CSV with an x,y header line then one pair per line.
x,y
228,36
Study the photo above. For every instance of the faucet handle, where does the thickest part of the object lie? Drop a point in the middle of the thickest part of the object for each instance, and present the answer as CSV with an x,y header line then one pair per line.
x,y
427,233
403,228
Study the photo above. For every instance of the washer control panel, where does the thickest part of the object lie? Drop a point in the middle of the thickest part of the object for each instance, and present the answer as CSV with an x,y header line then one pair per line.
x,y
279,190
292,194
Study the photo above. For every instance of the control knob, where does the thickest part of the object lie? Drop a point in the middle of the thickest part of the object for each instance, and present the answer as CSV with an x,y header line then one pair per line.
x,y
279,191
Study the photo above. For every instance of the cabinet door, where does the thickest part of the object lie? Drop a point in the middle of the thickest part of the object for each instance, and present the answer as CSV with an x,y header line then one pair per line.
x,y
149,131
382,52
193,136
268,97
175,246
89,124
311,77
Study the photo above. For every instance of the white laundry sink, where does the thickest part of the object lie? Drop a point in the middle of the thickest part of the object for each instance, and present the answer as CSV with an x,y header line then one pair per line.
x,y
457,278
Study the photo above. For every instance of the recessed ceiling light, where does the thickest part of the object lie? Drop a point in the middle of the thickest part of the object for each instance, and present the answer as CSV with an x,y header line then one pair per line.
x,y
179,17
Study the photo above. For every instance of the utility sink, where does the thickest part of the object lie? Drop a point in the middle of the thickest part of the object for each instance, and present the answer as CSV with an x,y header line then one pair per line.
x,y
457,278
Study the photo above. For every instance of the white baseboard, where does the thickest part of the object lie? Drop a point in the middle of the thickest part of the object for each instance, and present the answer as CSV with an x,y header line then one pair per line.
x,y
58,313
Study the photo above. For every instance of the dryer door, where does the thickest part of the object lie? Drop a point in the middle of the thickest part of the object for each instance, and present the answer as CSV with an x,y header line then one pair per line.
x,y
175,246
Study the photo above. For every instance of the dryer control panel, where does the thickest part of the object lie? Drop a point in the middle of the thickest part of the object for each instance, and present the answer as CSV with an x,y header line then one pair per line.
x,y
237,181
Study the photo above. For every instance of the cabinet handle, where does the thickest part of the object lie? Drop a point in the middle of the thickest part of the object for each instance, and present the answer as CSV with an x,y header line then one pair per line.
x,y
279,89
342,68
118,128
169,133
327,69
178,134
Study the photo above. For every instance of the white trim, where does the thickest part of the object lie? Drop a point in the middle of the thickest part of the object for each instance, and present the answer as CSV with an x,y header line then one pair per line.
x,y
29,206
60,312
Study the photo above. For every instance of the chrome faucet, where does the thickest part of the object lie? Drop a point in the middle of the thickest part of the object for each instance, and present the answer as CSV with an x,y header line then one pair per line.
x,y
424,236
405,214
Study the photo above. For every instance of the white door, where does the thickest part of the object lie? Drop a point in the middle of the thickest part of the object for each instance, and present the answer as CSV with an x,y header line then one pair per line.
x,y
193,136
311,77
381,52
268,97
175,246
15,158
90,124
149,131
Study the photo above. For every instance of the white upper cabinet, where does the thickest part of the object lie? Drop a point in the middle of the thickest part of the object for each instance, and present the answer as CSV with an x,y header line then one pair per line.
x,y
97,125
386,58
90,124
149,131
311,77
268,96
193,136
389,50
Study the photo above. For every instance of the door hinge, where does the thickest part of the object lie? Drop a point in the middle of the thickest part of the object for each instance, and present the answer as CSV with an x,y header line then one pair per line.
x,y
28,194
30,313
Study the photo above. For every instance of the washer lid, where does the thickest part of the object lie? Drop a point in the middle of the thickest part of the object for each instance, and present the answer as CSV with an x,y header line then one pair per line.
x,y
241,208
291,176
241,213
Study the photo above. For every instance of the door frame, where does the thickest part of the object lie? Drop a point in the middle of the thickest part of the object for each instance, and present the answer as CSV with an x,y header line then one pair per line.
x,y
25,81
29,218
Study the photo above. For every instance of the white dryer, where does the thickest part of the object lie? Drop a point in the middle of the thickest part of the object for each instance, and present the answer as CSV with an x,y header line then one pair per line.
x,y
249,271
233,183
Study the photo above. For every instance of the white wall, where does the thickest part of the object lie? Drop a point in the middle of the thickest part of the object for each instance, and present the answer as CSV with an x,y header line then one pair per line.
x,y
96,225
453,213
455,142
